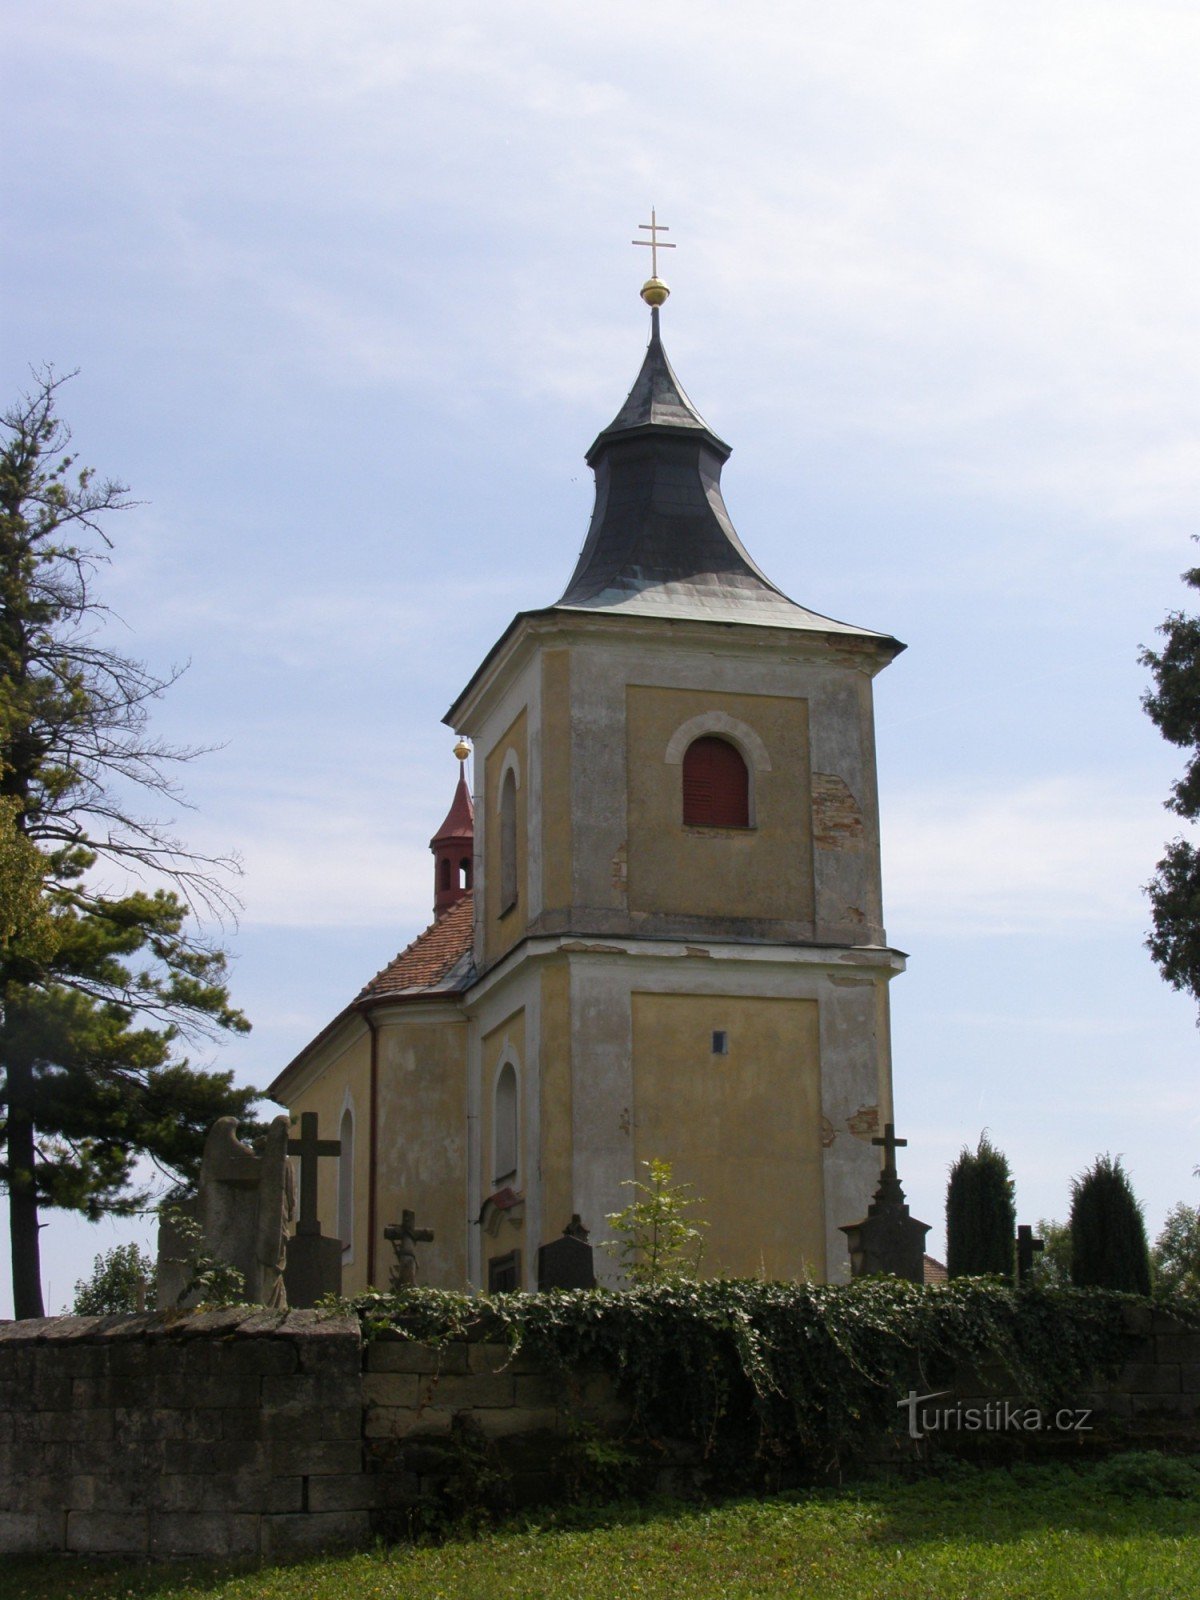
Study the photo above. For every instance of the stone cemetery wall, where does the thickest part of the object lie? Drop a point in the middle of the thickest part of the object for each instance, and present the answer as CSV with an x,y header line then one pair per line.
x,y
271,1434
225,1433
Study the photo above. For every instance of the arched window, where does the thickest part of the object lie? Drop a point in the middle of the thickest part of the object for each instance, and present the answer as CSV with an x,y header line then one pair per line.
x,y
345,1192
504,1125
464,873
445,872
716,785
508,841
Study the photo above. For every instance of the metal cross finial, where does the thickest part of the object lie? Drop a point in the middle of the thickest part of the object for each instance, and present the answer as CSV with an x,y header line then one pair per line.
x,y
654,227
890,1144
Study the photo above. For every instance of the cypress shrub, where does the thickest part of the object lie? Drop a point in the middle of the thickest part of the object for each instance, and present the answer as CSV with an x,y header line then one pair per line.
x,y
1108,1233
981,1213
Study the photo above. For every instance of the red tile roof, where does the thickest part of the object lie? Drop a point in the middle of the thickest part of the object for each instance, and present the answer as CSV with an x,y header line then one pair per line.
x,y
430,958
935,1272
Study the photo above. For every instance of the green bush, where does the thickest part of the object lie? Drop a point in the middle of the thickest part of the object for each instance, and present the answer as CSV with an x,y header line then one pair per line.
x,y
113,1285
1108,1233
1146,1472
981,1213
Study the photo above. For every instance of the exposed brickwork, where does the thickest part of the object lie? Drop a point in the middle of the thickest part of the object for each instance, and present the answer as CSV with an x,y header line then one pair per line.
x,y
864,1124
837,820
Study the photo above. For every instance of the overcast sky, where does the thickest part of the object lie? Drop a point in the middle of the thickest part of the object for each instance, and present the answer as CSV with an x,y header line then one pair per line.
x,y
351,292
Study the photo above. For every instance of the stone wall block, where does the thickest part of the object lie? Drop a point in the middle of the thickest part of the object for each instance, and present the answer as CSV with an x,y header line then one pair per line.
x,y
398,1422
284,1494
1148,1377
339,1423
223,1456
145,1426
110,1389
283,1537
92,1424
342,1493
1189,1377
1166,1405
108,1532
474,1391
499,1423
329,1390
329,1343
392,1389
32,1533
52,1390
241,1422
195,1533
501,1358
541,1390
224,1390
261,1358
301,1457
391,1354
1177,1347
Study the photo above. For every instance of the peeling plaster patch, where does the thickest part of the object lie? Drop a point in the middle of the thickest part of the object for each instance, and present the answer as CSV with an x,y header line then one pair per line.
x,y
837,820
625,1122
845,981
695,950
828,1133
864,1124
620,870
581,947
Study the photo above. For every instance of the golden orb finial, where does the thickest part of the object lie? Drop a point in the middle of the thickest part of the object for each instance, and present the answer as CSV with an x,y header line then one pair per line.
x,y
654,290
462,749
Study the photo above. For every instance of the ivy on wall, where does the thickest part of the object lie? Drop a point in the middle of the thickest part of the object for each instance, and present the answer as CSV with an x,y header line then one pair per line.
x,y
772,1374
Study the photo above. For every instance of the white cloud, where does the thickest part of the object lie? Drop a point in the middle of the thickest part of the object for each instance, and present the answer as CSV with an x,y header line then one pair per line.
x,y
1065,853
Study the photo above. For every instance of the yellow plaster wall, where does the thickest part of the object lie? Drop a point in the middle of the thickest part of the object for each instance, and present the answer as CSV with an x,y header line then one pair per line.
x,y
422,1143
761,872
502,932
743,1128
509,1032
556,780
326,1096
555,1102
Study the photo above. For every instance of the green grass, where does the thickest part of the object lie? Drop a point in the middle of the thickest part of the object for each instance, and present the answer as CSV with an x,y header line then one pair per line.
x,y
1046,1533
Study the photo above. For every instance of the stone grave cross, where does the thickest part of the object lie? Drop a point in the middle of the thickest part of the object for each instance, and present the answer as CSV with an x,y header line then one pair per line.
x,y
310,1149
403,1236
890,1144
1027,1246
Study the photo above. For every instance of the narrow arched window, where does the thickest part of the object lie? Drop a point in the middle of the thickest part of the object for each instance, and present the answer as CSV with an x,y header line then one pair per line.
x,y
445,871
716,785
464,873
504,1125
345,1193
508,841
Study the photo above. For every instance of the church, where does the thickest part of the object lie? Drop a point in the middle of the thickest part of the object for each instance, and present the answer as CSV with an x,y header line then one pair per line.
x,y
658,927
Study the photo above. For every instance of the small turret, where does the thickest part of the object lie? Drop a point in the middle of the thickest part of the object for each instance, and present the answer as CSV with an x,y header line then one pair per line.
x,y
453,845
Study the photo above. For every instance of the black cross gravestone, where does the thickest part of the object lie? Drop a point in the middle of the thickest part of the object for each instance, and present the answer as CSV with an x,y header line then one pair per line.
x,y
889,1238
314,1261
1027,1247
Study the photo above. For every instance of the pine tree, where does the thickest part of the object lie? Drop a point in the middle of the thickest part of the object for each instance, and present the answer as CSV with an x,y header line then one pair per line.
x,y
1108,1232
1174,707
981,1214
97,984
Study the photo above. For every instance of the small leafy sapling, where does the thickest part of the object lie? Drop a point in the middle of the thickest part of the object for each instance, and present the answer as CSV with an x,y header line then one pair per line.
x,y
655,1239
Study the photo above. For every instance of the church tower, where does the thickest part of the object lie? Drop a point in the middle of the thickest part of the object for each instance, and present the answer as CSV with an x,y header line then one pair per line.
x,y
679,943
658,925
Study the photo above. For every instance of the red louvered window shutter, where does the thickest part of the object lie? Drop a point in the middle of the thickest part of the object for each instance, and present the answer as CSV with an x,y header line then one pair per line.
x,y
716,786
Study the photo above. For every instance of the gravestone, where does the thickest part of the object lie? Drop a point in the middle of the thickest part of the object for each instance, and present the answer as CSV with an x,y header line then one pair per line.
x,y
314,1263
888,1239
243,1208
1027,1248
567,1263
404,1237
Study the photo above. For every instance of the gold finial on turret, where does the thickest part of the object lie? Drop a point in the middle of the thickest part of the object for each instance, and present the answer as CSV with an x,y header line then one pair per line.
x,y
654,290
462,749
